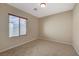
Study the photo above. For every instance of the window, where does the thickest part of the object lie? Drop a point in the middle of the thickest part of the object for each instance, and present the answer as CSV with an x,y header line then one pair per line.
x,y
17,25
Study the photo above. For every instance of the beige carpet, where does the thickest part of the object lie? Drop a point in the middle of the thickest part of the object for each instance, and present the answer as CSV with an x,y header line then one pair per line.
x,y
41,48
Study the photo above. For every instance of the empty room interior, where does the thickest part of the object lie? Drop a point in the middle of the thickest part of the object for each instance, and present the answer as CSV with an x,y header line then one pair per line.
x,y
39,29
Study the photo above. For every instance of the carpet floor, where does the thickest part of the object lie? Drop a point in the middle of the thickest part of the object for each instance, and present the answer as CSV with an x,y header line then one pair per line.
x,y
41,48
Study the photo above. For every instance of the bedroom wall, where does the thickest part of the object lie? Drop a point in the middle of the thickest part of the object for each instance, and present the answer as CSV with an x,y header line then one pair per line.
x,y
76,28
32,28
57,27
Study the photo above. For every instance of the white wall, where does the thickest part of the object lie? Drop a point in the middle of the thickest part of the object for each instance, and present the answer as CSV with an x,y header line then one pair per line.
x,y
76,28
5,41
57,27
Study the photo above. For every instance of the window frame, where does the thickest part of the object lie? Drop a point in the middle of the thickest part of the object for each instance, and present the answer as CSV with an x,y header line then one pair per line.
x,y
19,24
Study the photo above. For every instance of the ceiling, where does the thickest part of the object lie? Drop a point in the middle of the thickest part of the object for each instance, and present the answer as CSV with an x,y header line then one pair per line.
x,y
51,8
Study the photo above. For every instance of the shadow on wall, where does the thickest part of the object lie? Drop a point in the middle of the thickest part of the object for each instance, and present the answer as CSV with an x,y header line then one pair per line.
x,y
57,27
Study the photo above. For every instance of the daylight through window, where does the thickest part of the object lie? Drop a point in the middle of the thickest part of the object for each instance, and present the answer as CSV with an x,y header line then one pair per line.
x,y
17,25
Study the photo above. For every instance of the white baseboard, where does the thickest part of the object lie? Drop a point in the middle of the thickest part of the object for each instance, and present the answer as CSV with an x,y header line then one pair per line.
x,y
2,50
64,42
76,49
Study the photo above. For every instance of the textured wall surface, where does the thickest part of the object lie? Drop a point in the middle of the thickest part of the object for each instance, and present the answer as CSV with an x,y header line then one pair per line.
x,y
76,28
57,27
32,28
